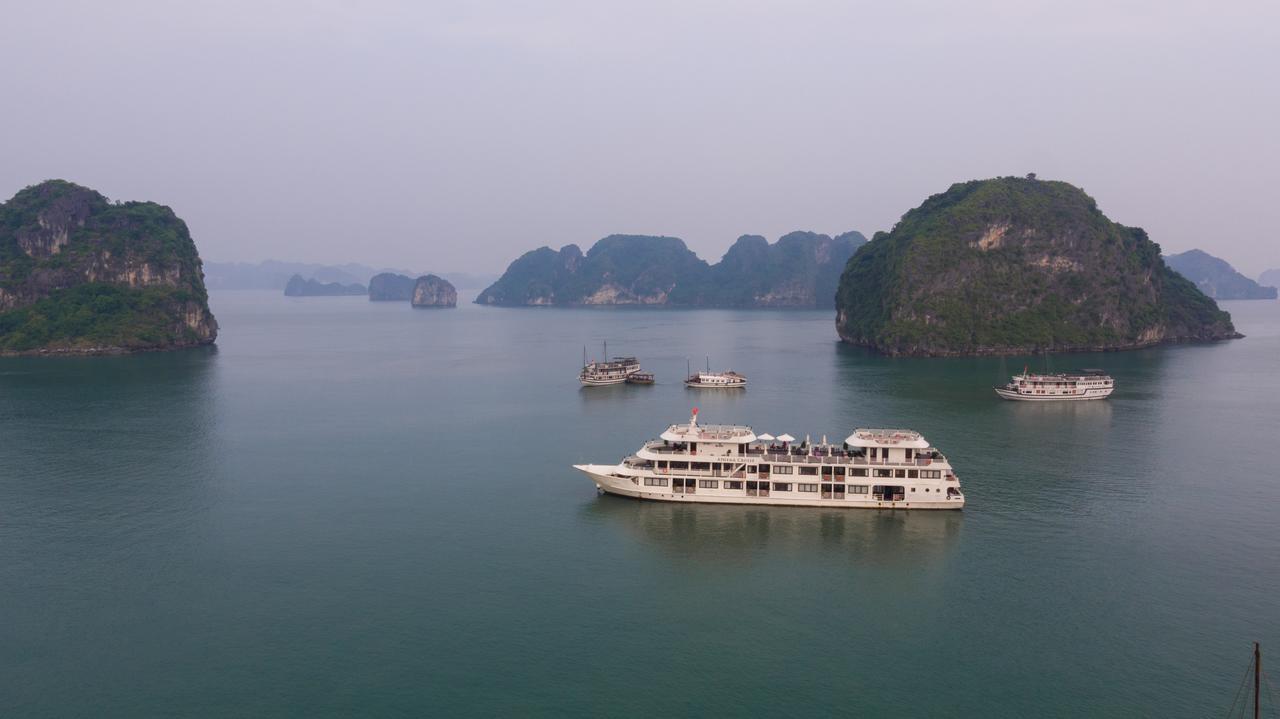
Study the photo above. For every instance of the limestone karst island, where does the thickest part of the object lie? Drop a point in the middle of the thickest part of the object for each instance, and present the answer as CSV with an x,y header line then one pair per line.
x,y
799,270
1016,265
82,275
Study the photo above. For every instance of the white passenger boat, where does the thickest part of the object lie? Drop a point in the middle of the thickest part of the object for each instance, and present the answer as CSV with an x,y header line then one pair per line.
x,y
1085,384
715,380
607,371
731,464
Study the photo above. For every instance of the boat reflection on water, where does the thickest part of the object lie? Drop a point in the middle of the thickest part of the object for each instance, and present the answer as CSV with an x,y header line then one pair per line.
x,y
1056,411
735,532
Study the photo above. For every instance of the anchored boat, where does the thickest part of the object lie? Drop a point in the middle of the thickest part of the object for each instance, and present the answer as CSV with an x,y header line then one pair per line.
x,y
607,371
731,464
715,380
1084,384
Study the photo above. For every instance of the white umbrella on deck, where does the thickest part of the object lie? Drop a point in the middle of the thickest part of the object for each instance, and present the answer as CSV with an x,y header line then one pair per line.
x,y
766,437
786,438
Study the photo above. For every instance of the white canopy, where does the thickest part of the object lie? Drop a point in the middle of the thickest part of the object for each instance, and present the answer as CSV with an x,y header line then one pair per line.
x,y
766,437
786,438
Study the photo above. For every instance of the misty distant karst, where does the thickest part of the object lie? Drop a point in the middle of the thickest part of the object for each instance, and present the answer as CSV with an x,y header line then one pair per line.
x,y
1217,278
300,286
390,287
800,270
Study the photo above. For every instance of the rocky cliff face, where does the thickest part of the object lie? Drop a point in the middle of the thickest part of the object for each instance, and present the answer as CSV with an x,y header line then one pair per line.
x,y
1016,265
79,274
800,270
390,287
1217,278
433,291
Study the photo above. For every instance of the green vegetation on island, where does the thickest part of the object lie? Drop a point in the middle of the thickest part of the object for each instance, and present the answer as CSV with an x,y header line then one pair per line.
x,y
80,274
801,269
1216,277
1014,265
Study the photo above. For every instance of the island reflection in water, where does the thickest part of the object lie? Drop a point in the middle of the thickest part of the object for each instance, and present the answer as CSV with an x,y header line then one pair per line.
x,y
726,532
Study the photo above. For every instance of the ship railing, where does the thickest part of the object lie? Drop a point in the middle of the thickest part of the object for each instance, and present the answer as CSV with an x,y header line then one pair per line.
x,y
798,458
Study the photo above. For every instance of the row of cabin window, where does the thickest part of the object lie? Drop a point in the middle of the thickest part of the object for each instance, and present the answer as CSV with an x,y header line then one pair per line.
x,y
731,484
738,484
776,486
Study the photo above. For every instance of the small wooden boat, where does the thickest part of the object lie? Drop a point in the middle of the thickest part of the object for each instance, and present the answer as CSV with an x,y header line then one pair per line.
x,y
640,378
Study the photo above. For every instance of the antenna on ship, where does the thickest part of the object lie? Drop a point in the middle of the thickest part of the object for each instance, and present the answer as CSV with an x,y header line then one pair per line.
x,y
708,363
1255,664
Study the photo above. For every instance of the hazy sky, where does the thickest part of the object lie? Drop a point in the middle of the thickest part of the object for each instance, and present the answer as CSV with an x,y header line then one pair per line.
x,y
454,136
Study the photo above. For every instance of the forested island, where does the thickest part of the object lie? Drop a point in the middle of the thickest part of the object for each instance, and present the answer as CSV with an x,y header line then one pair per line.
x,y
1217,278
82,275
801,269
1017,265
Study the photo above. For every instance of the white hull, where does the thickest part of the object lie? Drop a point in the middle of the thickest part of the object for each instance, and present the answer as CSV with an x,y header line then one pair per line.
x,y
601,382
606,479
722,385
1005,393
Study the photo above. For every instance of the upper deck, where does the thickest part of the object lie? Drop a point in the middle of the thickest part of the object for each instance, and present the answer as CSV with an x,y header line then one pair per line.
x,y
721,433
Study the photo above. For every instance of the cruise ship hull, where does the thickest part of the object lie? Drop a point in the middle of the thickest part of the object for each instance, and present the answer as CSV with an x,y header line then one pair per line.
x,y
1006,393
607,479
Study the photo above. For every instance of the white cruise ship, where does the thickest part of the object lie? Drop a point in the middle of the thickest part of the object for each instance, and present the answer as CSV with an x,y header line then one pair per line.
x,y
730,464
1085,384
716,380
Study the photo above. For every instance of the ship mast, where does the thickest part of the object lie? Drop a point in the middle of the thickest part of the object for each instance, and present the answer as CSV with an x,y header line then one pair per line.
x,y
1257,677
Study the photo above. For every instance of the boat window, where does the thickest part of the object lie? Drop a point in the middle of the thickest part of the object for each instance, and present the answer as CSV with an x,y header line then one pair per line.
x,y
839,471
731,484
764,468
783,469
931,474
782,486
900,473
812,471
708,483
655,481
806,487
857,472
857,489
751,468
884,473
913,473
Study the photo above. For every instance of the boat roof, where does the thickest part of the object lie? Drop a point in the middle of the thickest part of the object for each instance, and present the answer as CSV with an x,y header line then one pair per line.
x,y
1077,374
886,438
735,433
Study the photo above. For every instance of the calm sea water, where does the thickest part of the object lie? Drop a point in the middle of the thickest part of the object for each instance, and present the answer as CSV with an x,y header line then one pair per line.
x,y
358,508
